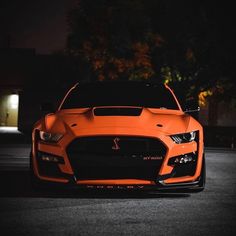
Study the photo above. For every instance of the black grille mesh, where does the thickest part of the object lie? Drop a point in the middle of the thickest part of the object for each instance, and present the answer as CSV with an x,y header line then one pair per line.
x,y
109,157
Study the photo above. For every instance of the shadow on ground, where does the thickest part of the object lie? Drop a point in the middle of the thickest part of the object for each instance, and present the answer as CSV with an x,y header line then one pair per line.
x,y
17,184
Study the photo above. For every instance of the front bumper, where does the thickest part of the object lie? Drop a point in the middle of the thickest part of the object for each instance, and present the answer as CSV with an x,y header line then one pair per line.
x,y
160,186
165,180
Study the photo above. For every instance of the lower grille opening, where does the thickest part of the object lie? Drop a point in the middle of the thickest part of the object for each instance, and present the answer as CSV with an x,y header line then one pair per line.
x,y
49,169
184,170
92,173
105,158
184,165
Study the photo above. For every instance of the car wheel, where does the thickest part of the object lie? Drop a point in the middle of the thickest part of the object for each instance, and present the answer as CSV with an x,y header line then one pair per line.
x,y
34,182
203,174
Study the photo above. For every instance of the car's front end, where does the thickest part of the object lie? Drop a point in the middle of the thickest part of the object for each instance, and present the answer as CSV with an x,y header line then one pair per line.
x,y
119,147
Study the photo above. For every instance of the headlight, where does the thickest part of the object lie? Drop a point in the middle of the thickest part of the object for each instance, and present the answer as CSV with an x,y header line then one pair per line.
x,y
184,138
49,137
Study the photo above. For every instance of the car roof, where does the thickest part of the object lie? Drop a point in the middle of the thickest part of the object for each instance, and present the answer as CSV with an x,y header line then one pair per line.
x,y
118,84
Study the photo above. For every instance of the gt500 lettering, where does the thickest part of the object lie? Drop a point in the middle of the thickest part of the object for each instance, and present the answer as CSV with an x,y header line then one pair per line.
x,y
152,158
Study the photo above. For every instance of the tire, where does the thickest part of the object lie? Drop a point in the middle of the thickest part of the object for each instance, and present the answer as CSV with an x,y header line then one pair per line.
x,y
34,181
203,174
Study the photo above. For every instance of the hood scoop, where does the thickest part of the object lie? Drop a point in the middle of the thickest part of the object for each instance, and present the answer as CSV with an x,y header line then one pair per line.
x,y
117,111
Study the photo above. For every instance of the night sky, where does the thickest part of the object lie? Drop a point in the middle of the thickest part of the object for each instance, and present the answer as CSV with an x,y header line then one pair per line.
x,y
39,24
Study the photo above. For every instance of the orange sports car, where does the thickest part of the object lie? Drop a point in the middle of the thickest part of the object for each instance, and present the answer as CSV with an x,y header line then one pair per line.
x,y
119,135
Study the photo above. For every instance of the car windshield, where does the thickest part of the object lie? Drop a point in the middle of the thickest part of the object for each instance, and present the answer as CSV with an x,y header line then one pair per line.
x,y
120,94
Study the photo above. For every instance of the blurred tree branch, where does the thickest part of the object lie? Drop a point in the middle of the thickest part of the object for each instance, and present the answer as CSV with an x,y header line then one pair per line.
x,y
183,43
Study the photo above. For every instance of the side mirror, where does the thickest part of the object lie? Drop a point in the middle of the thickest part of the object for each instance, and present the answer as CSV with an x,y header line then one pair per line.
x,y
46,107
191,106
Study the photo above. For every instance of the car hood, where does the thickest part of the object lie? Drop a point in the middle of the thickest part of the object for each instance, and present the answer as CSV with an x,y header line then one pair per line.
x,y
84,121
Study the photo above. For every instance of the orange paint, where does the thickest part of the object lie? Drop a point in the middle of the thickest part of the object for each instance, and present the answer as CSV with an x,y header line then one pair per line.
x,y
81,122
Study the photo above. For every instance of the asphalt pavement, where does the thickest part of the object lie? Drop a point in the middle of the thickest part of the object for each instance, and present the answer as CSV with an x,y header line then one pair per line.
x,y
24,211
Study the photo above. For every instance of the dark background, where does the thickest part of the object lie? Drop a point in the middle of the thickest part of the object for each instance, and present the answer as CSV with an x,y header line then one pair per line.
x,y
34,24
43,24
190,44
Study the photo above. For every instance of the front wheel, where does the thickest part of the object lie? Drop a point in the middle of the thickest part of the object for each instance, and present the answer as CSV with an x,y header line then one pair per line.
x,y
34,181
203,174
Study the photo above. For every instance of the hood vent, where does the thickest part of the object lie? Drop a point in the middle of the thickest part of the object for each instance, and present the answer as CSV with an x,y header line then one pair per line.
x,y
117,111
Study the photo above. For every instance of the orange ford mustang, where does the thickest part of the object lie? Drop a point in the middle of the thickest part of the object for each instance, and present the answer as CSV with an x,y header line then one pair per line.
x,y
119,135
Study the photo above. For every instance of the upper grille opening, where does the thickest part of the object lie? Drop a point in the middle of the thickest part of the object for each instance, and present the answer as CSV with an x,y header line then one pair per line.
x,y
128,145
95,158
117,111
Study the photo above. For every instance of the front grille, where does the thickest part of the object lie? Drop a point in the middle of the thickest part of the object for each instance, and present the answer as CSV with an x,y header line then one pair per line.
x,y
109,157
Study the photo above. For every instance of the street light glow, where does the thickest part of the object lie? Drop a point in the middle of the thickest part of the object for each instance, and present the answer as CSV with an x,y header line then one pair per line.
x,y
14,100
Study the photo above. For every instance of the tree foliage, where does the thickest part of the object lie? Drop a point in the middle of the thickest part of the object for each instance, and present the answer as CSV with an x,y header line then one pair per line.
x,y
179,42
